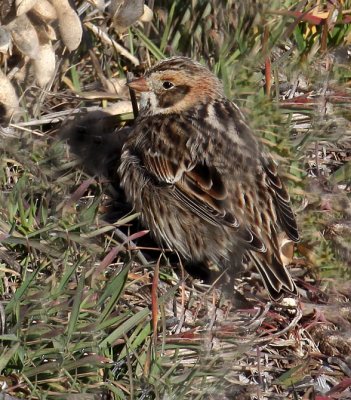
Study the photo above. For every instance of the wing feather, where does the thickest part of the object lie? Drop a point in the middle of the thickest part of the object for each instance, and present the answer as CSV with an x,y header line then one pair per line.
x,y
195,185
281,199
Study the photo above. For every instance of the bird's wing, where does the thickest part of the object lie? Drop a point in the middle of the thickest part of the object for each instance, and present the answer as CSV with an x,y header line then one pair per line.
x,y
200,188
281,199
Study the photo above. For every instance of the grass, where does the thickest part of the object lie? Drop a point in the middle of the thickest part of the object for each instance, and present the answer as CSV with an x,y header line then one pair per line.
x,y
88,311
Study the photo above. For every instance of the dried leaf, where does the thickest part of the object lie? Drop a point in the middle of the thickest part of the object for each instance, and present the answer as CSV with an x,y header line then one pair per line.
x,y
44,10
121,107
5,40
45,32
44,64
25,36
69,23
147,15
23,6
125,13
8,96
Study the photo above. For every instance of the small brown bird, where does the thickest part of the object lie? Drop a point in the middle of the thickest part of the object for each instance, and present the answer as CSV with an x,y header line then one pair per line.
x,y
201,180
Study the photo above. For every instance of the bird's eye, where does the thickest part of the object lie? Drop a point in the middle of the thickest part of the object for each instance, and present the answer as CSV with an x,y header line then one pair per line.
x,y
167,85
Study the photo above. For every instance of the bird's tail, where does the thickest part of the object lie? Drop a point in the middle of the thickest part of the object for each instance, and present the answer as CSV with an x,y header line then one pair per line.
x,y
275,276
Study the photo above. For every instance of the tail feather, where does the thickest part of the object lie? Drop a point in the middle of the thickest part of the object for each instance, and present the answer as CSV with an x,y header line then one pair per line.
x,y
275,276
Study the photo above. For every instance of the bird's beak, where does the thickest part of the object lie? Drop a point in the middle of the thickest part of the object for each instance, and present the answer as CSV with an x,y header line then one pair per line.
x,y
139,84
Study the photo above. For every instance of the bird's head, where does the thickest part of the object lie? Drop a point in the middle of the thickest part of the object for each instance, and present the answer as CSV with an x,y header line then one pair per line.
x,y
175,85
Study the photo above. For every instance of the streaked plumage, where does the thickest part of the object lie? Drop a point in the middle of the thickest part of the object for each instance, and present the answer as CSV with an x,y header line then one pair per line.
x,y
201,180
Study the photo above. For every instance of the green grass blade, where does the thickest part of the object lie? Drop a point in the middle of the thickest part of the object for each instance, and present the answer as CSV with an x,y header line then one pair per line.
x,y
114,289
129,324
76,308
158,54
7,354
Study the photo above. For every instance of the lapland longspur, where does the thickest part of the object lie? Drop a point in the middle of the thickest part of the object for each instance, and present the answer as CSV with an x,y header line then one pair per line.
x,y
202,181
